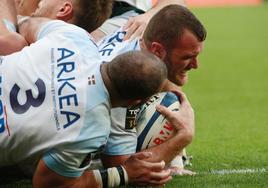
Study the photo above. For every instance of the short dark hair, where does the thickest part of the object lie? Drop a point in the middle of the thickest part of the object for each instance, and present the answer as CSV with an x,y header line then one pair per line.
x,y
137,74
168,25
90,14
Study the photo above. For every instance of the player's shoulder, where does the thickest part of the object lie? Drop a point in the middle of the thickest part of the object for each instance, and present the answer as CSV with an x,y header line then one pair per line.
x,y
116,36
62,28
113,45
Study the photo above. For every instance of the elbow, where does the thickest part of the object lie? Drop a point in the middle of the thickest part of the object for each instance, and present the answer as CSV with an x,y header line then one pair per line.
x,y
19,43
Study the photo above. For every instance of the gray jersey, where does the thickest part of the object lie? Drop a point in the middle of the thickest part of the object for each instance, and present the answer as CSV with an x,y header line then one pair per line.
x,y
123,138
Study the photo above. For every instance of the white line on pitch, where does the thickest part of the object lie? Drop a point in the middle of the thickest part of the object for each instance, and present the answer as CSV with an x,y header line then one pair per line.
x,y
235,171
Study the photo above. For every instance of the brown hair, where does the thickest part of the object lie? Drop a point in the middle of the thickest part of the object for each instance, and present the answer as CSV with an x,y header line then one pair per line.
x,y
90,14
137,74
167,26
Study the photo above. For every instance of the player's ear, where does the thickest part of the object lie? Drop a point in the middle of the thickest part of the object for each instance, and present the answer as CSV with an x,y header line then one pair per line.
x,y
65,12
158,49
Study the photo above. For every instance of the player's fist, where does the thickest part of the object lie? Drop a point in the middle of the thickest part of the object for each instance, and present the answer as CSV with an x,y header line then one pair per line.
x,y
142,172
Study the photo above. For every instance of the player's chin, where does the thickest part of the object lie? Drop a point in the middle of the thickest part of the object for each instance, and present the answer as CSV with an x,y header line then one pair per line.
x,y
181,80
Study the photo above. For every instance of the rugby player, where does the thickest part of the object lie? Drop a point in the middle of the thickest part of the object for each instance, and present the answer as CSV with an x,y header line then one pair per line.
x,y
55,105
128,13
176,36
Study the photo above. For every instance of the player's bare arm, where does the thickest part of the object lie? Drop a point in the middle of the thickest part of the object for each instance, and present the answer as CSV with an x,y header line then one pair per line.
x,y
10,41
137,169
8,10
136,25
183,123
29,28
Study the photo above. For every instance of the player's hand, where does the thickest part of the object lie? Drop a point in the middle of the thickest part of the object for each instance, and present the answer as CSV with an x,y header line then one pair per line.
x,y
142,172
135,26
183,120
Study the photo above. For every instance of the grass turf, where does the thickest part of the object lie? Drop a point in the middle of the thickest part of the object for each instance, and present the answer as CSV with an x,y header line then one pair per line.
x,y
228,93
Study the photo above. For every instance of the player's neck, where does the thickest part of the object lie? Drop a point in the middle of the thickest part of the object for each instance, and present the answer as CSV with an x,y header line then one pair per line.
x,y
170,86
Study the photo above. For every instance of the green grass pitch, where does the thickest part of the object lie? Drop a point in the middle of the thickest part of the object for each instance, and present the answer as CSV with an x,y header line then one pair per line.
x,y
229,93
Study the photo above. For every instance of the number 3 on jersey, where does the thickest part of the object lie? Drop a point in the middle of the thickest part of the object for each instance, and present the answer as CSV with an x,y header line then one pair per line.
x,y
30,100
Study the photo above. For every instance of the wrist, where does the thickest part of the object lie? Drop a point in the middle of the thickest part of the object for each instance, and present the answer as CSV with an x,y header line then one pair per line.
x,y
9,25
111,177
185,137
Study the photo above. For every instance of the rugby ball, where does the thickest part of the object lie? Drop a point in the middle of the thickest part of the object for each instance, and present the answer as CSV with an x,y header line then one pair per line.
x,y
152,127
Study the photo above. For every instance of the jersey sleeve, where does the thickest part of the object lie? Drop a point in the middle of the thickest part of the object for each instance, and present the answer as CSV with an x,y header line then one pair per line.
x,y
63,28
73,158
78,36
114,45
65,162
123,137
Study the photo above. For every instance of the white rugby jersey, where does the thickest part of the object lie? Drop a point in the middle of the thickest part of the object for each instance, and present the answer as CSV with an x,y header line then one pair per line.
x,y
142,4
113,45
53,102
123,138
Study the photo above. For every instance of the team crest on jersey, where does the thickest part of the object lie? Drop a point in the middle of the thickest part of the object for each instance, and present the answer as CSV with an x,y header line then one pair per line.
x,y
131,117
91,80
